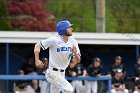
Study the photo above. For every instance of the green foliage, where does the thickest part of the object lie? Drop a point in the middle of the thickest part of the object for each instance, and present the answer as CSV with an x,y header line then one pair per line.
x,y
126,13
4,21
79,12
121,15
111,23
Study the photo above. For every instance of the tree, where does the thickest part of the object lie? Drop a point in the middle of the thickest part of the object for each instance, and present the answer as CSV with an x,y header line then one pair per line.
x,y
121,16
29,15
4,20
126,13
79,12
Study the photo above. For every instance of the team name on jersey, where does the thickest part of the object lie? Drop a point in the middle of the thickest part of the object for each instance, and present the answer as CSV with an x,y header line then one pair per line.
x,y
60,49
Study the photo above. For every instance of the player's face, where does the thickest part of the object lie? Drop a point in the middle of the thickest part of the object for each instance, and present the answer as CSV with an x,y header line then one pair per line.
x,y
119,74
30,61
138,60
69,31
97,63
118,61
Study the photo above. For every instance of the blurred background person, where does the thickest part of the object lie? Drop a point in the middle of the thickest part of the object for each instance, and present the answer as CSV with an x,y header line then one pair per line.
x,y
137,69
43,84
137,76
137,86
22,86
94,70
78,71
117,65
118,85
30,69
69,71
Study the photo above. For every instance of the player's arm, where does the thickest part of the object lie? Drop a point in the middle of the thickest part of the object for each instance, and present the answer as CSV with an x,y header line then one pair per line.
x,y
38,62
76,58
122,87
100,71
84,72
44,44
113,87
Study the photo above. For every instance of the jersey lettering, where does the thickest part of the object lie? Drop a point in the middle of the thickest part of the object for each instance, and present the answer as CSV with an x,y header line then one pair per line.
x,y
60,49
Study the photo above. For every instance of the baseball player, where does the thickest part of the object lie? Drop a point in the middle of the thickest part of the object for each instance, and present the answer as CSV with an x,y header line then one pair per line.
x,y
23,86
43,84
94,70
62,47
117,65
118,85
137,86
78,71
137,68
137,76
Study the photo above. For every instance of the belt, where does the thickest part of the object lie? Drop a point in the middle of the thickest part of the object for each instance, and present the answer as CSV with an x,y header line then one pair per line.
x,y
55,69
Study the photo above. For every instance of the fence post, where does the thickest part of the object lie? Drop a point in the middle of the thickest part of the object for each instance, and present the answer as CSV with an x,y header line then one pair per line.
x,y
137,51
7,66
109,86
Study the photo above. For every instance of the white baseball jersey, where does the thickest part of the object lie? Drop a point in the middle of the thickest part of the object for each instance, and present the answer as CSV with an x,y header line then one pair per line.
x,y
60,51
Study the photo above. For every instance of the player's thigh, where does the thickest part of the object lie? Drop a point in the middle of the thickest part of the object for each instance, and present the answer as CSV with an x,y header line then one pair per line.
x,y
54,88
44,86
88,84
113,91
126,91
123,91
136,92
41,83
59,81
64,84
94,84
30,89
74,83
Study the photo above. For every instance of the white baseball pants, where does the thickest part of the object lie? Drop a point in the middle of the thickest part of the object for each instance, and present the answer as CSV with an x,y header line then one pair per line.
x,y
44,86
76,85
58,82
91,85
114,91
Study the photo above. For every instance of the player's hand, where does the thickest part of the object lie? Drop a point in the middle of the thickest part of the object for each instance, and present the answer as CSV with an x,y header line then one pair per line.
x,y
76,58
74,74
39,64
74,50
72,64
121,88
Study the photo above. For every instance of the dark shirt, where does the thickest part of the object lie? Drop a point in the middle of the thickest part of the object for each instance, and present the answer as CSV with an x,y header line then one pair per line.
x,y
137,83
22,83
27,68
116,82
137,69
94,71
68,71
79,68
42,70
114,68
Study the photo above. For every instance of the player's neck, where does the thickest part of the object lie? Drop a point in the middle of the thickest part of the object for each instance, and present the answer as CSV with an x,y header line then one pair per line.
x,y
64,37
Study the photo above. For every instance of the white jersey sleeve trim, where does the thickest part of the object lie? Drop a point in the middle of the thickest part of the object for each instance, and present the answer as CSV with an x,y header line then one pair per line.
x,y
42,46
46,43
